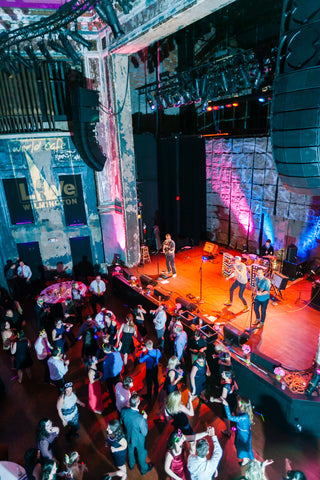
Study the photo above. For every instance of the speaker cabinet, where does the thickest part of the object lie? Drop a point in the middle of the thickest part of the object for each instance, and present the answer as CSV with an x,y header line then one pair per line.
x,y
186,304
292,253
279,281
294,270
127,274
145,281
263,361
234,335
210,248
315,295
161,294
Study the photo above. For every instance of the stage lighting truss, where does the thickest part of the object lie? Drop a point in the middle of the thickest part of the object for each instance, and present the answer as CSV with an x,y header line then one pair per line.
x,y
236,74
19,40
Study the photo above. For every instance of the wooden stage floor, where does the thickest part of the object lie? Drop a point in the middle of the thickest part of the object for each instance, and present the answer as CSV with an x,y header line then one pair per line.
x,y
291,330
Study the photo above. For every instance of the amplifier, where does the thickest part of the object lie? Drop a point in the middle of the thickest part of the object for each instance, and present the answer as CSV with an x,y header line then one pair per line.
x,y
160,293
188,318
294,270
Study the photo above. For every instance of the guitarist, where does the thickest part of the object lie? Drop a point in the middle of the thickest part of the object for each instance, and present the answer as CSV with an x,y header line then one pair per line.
x,y
168,249
262,296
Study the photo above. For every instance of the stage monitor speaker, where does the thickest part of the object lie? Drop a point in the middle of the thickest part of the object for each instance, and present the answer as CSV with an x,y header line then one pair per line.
x,y
127,274
145,281
161,294
235,336
279,281
315,295
292,253
263,361
210,248
186,304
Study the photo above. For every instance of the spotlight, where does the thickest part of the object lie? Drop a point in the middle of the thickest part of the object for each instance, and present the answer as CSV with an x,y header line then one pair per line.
x,y
57,47
79,39
210,106
216,107
43,49
261,99
69,48
31,54
228,105
235,104
152,102
106,12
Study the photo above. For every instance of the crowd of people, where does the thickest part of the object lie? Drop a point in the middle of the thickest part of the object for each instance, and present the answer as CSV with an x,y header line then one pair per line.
x,y
112,350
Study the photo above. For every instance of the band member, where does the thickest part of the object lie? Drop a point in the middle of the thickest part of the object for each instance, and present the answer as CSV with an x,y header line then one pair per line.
x,y
240,272
267,249
168,249
262,289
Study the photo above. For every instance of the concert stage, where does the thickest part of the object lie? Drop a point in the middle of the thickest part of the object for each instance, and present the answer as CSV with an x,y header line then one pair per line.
x,y
289,337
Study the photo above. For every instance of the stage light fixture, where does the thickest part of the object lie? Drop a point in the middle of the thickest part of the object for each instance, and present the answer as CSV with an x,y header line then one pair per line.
x,y
152,102
43,49
72,54
31,54
216,107
261,99
106,12
210,106
57,47
235,104
79,38
228,105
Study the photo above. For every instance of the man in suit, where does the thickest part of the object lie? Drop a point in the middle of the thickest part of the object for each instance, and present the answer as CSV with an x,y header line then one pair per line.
x,y
137,428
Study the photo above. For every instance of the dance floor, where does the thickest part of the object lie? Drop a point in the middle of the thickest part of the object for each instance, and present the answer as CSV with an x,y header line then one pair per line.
x,y
290,335
291,330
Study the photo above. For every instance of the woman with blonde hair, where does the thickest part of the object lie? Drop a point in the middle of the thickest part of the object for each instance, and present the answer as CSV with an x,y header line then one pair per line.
x,y
256,470
127,332
75,469
244,420
179,413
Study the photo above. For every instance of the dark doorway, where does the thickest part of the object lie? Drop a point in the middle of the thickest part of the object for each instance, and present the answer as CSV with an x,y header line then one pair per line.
x,y
80,246
30,254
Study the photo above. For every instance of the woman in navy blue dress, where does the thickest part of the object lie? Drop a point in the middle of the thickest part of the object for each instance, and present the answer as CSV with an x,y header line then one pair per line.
x,y
118,444
198,376
244,419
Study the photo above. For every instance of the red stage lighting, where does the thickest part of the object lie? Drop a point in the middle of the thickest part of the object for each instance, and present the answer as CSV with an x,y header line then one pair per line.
x,y
235,104
229,105
216,107
177,198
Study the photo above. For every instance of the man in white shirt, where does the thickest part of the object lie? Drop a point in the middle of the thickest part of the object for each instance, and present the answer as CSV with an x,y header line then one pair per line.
x,y
199,466
159,322
43,351
123,394
240,272
24,274
97,287
58,367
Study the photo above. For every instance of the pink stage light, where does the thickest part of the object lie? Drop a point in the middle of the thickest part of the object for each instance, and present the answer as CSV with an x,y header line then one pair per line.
x,y
119,229
222,181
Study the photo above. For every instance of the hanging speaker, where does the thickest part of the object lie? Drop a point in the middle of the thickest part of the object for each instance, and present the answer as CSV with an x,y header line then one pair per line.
x,y
295,126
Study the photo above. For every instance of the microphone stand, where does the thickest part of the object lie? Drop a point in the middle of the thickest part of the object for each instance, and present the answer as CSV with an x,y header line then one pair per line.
x,y
201,301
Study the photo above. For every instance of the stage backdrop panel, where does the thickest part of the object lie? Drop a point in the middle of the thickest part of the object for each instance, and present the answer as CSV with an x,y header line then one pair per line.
x,y
247,203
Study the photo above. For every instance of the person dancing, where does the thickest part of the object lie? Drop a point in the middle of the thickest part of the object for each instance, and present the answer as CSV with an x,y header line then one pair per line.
x,y
240,272
243,437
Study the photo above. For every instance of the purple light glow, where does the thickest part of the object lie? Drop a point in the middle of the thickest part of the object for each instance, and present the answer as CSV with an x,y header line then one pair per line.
x,y
52,4
75,224
23,223
224,176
